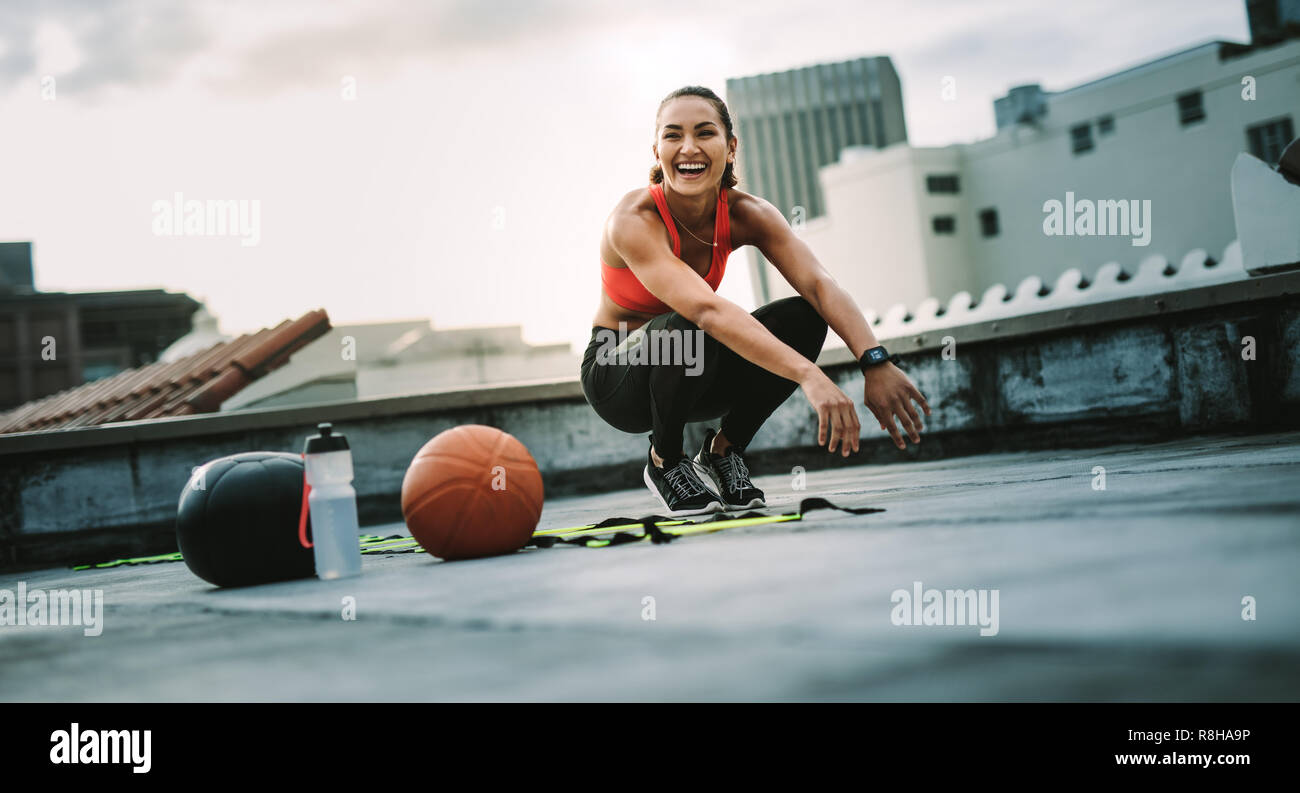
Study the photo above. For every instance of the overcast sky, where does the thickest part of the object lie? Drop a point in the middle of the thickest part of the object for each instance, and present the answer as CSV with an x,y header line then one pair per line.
x,y
487,142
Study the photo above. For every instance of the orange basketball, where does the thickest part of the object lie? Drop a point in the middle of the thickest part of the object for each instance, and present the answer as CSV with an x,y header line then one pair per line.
x,y
472,491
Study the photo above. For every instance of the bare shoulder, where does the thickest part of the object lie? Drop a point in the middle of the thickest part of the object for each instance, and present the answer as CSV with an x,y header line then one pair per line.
x,y
635,213
629,206
635,203
752,218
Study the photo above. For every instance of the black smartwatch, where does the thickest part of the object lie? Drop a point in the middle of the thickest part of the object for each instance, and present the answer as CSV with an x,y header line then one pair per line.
x,y
874,357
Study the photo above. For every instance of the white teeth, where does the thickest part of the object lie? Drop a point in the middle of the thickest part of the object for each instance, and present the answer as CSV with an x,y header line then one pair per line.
x,y
691,167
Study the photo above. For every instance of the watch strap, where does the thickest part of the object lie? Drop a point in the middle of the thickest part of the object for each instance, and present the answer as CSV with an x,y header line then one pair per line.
x,y
874,357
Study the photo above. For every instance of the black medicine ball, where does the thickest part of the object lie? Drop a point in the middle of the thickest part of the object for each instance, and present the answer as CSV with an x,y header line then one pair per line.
x,y
237,522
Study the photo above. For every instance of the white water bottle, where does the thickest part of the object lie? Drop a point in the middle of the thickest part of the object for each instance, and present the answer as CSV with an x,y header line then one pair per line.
x,y
332,502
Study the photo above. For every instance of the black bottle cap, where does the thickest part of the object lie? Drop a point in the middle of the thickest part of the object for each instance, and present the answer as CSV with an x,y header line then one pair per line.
x,y
326,441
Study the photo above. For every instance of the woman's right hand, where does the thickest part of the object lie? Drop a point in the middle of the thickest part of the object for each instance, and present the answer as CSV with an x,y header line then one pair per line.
x,y
835,411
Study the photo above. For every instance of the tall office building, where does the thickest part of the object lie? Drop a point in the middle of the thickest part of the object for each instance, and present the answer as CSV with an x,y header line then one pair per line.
x,y
792,123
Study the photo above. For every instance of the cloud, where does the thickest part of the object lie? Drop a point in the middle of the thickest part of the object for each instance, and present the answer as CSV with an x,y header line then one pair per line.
x,y
263,48
252,47
120,42
384,35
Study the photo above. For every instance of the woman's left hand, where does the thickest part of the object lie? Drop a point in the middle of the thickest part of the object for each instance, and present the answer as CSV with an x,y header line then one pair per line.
x,y
889,393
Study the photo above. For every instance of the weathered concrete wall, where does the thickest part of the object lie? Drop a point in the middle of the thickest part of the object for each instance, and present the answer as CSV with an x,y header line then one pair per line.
x,y
76,496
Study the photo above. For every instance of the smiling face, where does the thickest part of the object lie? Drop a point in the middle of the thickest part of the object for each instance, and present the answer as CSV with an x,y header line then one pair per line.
x,y
690,131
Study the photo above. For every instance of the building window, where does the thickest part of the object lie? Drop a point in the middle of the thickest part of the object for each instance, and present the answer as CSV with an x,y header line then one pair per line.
x,y
1190,108
1105,125
1081,138
989,222
942,183
944,224
1268,139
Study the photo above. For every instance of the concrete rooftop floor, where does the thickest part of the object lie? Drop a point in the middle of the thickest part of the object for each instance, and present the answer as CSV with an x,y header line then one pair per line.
x,y
1129,593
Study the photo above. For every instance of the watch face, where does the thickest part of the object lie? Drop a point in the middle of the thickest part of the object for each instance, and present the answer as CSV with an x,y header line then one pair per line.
x,y
877,354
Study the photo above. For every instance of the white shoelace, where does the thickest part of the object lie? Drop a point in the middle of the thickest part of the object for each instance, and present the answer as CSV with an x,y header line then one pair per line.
x,y
734,472
682,480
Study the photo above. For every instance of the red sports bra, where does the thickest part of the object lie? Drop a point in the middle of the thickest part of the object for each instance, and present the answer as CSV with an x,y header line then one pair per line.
x,y
622,285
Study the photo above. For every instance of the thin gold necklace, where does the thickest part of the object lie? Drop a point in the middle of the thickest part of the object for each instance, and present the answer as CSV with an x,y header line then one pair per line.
x,y
692,233
688,231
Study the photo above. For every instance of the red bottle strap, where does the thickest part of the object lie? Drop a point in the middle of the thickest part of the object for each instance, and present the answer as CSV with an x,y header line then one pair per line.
x,y
305,511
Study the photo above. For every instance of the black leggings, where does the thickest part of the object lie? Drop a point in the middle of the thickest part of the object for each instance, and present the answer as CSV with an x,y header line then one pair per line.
x,y
662,397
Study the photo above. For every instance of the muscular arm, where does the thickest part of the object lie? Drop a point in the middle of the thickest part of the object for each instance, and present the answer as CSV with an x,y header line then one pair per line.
x,y
887,392
668,278
795,261
642,246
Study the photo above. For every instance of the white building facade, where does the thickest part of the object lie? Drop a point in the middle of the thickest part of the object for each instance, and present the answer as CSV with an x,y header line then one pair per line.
x,y
904,224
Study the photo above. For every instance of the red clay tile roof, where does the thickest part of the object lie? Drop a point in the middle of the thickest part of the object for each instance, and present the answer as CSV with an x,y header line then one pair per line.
x,y
198,383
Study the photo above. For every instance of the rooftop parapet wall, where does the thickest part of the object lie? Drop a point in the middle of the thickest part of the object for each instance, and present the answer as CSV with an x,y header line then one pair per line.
x,y
1134,361
1153,275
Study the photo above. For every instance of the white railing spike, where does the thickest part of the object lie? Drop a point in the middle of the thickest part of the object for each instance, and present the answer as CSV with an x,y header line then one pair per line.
x,y
1154,274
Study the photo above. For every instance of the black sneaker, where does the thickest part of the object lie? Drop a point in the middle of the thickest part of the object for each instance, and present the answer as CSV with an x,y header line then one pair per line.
x,y
727,476
679,489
